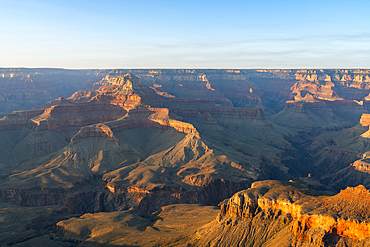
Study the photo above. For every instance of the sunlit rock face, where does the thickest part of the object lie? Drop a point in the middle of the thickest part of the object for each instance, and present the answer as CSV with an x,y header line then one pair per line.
x,y
289,214
363,165
365,119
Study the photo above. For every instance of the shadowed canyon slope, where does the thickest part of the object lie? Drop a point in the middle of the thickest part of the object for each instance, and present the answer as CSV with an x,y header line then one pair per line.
x,y
144,139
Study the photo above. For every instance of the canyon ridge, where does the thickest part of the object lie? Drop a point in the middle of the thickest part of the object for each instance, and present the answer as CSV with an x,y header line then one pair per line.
x,y
184,157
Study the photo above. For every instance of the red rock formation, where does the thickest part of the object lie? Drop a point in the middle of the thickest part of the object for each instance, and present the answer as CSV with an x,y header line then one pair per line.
x,y
345,214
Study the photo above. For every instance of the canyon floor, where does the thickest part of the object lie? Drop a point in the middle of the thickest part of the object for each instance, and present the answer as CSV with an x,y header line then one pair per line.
x,y
184,157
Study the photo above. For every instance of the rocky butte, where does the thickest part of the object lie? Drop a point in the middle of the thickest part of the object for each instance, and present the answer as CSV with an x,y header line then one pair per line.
x,y
184,157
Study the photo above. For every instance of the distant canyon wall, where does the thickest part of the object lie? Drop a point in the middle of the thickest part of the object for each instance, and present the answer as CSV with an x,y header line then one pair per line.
x,y
27,88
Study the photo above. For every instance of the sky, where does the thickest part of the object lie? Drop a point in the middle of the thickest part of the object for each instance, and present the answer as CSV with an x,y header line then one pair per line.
x,y
173,34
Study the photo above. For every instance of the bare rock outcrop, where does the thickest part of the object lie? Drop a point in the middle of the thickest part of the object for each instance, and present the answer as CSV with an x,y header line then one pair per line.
x,y
365,119
284,214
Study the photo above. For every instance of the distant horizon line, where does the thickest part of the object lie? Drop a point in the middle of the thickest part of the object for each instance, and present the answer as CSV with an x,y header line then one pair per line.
x,y
302,68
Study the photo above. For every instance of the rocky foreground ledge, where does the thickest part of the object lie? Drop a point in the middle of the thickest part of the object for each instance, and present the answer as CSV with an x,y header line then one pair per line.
x,y
273,213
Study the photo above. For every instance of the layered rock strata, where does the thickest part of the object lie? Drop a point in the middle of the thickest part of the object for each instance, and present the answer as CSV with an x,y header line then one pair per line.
x,y
132,152
289,215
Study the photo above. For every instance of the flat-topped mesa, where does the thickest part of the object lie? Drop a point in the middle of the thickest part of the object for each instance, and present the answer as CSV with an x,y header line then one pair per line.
x,y
303,106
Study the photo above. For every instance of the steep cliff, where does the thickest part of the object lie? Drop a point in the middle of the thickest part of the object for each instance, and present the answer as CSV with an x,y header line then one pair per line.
x,y
283,214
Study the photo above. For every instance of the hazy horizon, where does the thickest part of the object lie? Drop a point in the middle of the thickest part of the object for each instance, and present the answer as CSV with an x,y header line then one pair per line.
x,y
185,35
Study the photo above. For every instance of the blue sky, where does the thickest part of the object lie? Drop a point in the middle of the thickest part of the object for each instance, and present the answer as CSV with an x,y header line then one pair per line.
x,y
185,34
